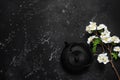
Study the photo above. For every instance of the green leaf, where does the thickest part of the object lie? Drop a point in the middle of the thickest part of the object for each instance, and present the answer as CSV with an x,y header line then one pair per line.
x,y
100,31
115,55
96,41
94,49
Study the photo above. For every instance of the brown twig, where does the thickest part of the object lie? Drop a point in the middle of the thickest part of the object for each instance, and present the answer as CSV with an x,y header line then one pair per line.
x,y
111,60
112,64
102,47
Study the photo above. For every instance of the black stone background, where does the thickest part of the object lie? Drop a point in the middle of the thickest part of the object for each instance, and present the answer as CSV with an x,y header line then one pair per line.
x,y
32,35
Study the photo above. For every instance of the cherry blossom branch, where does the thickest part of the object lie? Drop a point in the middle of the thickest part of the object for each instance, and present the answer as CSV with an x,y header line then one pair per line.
x,y
112,64
111,59
102,36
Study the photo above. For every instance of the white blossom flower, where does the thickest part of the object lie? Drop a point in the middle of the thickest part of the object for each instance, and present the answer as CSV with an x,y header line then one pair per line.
x,y
101,26
119,54
92,26
115,39
106,39
117,49
103,58
106,33
105,36
90,39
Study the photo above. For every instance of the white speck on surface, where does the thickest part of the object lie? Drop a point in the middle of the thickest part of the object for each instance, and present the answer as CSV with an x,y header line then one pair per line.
x,y
46,37
29,74
23,1
30,4
45,40
1,44
1,71
14,49
45,73
32,72
63,11
10,24
93,18
53,54
68,22
20,5
13,60
13,13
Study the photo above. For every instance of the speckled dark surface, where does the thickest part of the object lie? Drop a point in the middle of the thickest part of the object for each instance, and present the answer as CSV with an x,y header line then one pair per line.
x,y
32,35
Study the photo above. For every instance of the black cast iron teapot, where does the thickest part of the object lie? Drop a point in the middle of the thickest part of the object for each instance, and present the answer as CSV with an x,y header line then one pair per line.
x,y
76,57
